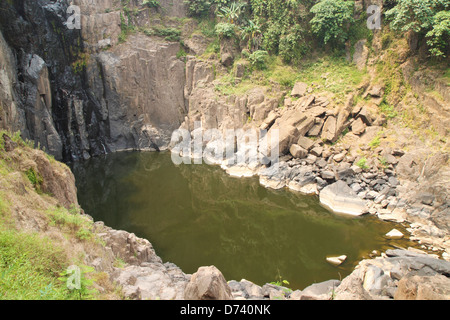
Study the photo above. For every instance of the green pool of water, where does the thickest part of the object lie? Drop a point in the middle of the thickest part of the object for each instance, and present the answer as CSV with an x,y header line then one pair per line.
x,y
197,215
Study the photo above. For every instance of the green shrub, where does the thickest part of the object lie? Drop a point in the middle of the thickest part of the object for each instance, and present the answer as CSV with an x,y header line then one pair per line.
x,y
198,8
332,20
271,39
181,53
207,28
231,13
169,34
151,3
282,23
225,30
292,46
362,163
85,290
35,179
375,143
258,59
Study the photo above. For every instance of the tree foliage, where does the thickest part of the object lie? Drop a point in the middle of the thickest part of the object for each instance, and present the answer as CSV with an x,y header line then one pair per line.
x,y
429,18
231,14
413,15
332,19
438,37
225,30
283,25
198,8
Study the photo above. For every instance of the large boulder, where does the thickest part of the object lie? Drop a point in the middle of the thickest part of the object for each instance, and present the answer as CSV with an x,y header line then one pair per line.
x,y
340,198
305,126
329,129
154,281
351,288
358,127
410,165
287,135
415,287
317,291
299,90
208,283
129,248
298,152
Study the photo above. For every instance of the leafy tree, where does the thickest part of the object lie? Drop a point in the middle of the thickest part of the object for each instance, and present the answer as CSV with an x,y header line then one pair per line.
x,y
219,4
283,25
332,19
429,18
292,44
413,15
439,36
232,13
252,33
198,8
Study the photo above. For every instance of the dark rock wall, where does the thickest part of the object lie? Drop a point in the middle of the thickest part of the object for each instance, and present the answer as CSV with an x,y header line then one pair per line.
x,y
79,93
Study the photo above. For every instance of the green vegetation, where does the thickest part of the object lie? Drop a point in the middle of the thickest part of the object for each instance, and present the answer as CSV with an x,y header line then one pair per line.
x,y
225,30
333,74
283,26
80,63
258,59
71,221
29,268
429,18
383,162
35,179
328,73
439,35
124,27
169,34
198,8
375,143
388,110
362,163
151,3
83,290
231,13
332,20
181,54
33,266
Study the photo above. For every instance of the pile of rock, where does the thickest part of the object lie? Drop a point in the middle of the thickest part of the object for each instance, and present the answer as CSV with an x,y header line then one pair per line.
x,y
398,274
143,275
316,117
334,174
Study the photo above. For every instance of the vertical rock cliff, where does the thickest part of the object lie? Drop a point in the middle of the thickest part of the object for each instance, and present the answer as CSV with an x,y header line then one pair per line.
x,y
78,93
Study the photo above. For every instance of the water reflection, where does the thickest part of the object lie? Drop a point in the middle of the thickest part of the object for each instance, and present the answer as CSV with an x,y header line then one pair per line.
x,y
196,215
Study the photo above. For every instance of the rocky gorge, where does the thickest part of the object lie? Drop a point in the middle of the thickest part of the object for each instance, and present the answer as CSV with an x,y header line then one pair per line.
x,y
82,93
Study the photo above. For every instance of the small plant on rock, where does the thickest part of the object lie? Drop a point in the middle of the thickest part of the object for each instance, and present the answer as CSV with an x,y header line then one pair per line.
x,y
362,163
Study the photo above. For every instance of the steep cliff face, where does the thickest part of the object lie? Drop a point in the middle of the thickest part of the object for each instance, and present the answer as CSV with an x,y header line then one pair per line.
x,y
45,87
140,86
79,92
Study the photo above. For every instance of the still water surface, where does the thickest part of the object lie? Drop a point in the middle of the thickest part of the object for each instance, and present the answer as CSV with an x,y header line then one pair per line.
x,y
197,215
